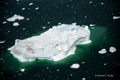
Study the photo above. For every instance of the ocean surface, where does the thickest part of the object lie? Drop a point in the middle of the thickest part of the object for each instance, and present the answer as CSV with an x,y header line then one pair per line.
x,y
93,65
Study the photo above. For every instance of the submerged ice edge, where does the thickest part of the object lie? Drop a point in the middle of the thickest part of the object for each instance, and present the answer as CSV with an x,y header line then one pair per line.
x,y
55,44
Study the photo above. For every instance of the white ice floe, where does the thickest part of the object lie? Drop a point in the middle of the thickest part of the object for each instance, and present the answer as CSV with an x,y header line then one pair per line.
x,y
15,17
102,51
15,24
75,66
55,44
30,4
116,17
112,49
22,70
2,41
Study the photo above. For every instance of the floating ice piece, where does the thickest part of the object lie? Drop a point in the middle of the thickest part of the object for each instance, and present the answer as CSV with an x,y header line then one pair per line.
x,y
30,4
116,17
112,49
102,51
75,66
55,44
15,17
15,24
44,27
92,24
23,8
22,70
36,8
2,41
4,22
83,78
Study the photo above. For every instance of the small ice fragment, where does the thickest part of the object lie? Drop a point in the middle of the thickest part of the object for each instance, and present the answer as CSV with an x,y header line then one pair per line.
x,y
48,22
2,41
36,8
102,3
59,23
105,64
17,0
4,22
15,24
30,4
112,49
22,70
83,79
116,17
102,51
75,66
44,27
28,18
92,25
82,62
23,8
15,17
90,2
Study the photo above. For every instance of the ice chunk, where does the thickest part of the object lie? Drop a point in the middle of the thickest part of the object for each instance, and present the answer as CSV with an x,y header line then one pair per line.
x,y
23,8
15,17
2,41
102,51
22,70
92,24
112,49
36,8
55,44
15,24
30,4
4,22
116,17
75,66
83,79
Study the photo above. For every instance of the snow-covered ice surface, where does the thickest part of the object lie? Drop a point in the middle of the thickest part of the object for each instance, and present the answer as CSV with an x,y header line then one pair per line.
x,y
75,66
102,51
55,44
15,17
112,49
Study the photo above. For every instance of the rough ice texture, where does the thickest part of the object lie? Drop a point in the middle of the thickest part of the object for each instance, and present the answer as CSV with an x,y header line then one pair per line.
x,y
112,49
55,44
15,17
102,51
75,66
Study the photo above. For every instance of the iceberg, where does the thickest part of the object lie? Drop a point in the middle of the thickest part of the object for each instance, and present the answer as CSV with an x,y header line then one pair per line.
x,y
55,44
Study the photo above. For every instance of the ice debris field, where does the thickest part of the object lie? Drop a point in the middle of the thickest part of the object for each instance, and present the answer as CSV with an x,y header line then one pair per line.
x,y
55,44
